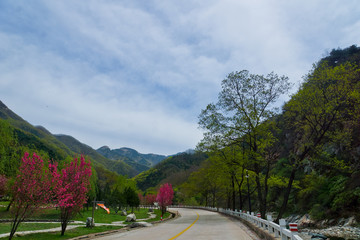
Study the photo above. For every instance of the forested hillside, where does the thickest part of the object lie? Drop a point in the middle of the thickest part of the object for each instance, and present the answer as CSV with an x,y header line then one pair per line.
x,y
175,170
18,136
140,162
304,159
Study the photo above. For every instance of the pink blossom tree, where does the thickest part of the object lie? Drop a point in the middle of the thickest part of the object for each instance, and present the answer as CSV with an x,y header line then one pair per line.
x,y
165,196
3,185
72,185
32,189
150,199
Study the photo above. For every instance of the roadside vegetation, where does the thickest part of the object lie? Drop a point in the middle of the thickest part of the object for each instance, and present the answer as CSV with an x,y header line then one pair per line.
x,y
302,158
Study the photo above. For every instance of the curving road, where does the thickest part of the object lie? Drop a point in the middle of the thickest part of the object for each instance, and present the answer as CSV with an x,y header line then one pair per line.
x,y
193,224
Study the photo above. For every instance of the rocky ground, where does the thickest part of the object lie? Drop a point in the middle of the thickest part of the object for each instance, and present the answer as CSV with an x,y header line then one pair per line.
x,y
341,228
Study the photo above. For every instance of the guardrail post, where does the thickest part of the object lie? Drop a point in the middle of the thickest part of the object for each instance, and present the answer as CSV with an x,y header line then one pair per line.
x,y
269,218
282,223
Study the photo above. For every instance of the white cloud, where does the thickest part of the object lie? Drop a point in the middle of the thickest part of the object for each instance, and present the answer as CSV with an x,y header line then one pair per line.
x,y
137,74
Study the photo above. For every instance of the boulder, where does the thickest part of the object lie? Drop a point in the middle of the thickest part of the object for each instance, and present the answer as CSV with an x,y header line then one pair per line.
x,y
89,223
151,210
131,218
140,224
305,221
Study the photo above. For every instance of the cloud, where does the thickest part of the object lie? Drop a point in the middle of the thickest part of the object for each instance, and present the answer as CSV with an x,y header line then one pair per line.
x,y
137,74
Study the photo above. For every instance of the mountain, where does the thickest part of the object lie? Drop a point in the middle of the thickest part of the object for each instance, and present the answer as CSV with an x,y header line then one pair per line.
x,y
174,169
119,166
143,159
58,147
140,162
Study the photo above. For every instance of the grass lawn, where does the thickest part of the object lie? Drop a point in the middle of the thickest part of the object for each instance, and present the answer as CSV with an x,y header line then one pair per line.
x,y
68,234
6,227
100,216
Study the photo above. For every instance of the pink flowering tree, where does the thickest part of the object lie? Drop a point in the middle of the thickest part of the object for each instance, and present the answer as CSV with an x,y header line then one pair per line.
x,y
150,199
32,189
165,196
3,185
72,185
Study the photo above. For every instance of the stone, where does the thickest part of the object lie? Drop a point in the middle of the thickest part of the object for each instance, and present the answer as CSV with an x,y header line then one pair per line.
x,y
350,221
305,221
89,223
131,218
151,210
140,224
123,213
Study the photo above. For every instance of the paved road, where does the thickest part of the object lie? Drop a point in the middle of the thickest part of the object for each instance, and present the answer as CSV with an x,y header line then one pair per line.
x,y
193,224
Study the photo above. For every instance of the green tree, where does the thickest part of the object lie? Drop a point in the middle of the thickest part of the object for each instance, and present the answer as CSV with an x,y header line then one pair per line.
x,y
327,97
131,198
240,117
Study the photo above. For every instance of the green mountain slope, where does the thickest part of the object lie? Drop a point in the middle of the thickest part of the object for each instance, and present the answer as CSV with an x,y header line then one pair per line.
x,y
118,166
26,137
175,170
148,160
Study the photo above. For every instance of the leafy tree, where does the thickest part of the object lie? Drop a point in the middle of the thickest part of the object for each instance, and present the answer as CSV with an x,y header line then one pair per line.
x,y
117,199
328,95
71,186
131,198
150,199
3,185
9,156
165,196
32,189
241,117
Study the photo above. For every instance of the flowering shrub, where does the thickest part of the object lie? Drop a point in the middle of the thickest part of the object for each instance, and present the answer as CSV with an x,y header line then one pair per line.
x,y
165,196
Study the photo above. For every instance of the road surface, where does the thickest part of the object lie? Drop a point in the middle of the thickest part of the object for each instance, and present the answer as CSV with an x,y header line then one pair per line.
x,y
193,224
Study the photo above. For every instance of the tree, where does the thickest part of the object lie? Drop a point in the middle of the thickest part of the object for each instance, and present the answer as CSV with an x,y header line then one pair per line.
x,y
150,199
3,185
241,117
32,189
131,198
165,196
327,97
71,186
117,199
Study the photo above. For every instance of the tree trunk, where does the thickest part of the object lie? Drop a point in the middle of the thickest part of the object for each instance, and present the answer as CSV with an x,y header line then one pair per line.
x,y
8,207
287,194
240,199
260,197
63,227
233,191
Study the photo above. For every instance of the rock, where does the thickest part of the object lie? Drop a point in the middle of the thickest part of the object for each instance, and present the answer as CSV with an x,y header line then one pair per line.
x,y
89,223
350,222
305,221
123,213
151,210
131,218
140,224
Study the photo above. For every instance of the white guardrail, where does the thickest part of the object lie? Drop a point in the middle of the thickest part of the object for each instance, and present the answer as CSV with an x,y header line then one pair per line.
x,y
277,230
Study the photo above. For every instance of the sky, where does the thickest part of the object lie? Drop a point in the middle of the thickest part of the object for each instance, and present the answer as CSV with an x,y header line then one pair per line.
x,y
138,73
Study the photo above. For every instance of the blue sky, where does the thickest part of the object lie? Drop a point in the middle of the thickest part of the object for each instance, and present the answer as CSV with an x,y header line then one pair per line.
x,y
137,73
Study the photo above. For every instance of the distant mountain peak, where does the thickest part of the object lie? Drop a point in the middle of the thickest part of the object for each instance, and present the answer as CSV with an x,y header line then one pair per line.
x,y
148,160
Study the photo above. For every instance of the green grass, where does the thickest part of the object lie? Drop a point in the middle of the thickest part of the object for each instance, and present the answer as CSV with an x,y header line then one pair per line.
x,y
100,216
6,227
158,216
68,234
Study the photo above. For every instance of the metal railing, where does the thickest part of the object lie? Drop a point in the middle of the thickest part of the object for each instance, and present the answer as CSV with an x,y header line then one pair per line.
x,y
277,230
